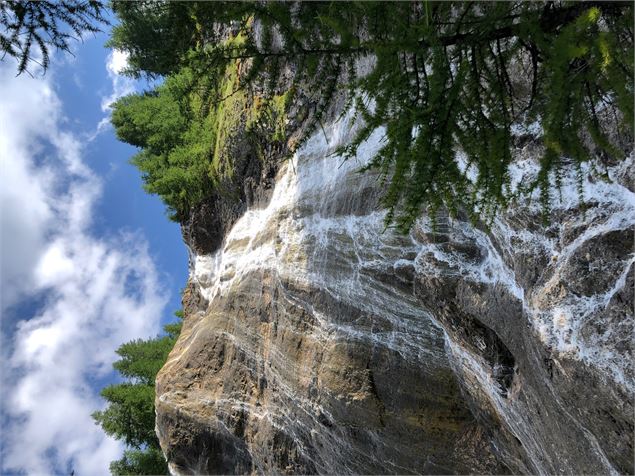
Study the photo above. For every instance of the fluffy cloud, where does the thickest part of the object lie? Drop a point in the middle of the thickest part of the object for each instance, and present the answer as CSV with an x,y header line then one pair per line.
x,y
94,292
116,63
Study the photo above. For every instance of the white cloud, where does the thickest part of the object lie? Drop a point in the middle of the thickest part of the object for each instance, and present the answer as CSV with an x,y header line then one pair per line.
x,y
97,292
24,208
116,63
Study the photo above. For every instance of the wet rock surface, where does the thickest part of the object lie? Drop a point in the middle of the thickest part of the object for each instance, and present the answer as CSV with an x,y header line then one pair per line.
x,y
316,341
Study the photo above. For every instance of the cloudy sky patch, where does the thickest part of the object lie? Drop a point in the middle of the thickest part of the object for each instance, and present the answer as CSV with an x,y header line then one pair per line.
x,y
70,296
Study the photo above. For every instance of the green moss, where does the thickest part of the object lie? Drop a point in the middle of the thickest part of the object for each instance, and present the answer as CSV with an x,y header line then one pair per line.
x,y
279,104
187,126
238,113
227,118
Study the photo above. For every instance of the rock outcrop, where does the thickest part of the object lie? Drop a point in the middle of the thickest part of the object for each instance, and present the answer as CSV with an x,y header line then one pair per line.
x,y
317,341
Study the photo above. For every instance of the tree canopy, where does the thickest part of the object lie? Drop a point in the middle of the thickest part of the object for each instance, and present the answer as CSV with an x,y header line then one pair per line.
x,y
444,78
441,77
130,414
31,28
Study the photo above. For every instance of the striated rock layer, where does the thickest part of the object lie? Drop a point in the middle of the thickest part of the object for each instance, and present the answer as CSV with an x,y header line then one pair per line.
x,y
317,341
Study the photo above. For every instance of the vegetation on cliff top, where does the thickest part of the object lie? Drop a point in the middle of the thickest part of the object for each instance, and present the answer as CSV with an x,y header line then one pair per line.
x,y
446,77
130,414
184,127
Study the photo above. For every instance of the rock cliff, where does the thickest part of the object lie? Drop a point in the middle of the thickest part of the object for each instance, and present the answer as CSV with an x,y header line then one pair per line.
x,y
317,341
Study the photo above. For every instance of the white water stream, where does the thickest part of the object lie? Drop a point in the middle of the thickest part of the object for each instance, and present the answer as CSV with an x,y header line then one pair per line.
x,y
306,220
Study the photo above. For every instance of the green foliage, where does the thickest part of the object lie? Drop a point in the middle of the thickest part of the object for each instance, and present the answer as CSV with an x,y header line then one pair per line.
x,y
155,34
141,360
149,461
175,139
44,24
447,77
130,415
174,330
184,127
158,35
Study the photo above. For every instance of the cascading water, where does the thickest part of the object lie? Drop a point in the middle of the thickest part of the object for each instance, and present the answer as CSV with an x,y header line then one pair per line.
x,y
329,344
322,212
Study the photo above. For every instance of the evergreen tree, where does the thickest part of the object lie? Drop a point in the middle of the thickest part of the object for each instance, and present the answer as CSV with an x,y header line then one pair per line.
x,y
175,139
155,33
446,77
130,414
149,461
44,24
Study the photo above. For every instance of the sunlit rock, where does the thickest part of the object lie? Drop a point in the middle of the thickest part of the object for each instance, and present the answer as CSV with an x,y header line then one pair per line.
x,y
317,341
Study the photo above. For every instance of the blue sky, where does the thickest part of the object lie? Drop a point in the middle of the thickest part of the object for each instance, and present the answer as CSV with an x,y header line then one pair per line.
x,y
88,259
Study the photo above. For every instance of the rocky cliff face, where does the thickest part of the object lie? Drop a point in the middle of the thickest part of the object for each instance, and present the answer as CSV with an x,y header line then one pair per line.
x,y
316,341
